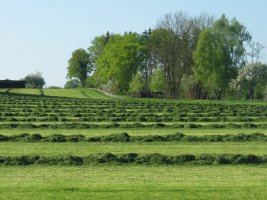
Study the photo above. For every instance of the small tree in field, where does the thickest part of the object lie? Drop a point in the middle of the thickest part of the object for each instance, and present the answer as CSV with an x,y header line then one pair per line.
x,y
34,80
157,83
136,85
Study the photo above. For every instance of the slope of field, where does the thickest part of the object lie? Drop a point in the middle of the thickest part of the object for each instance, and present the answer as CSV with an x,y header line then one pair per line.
x,y
94,94
213,150
26,91
73,93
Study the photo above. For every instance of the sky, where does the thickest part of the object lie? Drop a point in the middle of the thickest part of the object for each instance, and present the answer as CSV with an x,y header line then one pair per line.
x,y
40,35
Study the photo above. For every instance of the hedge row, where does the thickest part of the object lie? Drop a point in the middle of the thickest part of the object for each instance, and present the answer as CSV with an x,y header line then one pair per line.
x,y
133,158
124,137
132,125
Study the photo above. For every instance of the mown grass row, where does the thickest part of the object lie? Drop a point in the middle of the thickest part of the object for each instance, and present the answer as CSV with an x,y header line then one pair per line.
x,y
125,137
133,158
87,125
132,118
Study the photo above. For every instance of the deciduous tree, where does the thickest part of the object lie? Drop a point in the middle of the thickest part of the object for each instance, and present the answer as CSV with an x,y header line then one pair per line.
x,y
79,65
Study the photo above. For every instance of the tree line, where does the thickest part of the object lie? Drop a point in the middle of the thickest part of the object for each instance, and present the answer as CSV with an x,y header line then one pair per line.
x,y
182,57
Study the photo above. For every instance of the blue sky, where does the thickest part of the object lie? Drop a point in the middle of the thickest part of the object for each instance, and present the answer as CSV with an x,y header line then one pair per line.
x,y
40,35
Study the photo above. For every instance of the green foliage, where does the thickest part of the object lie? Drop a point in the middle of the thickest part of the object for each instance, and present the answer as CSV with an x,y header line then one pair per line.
x,y
79,65
188,87
220,51
252,79
73,83
157,83
120,59
136,85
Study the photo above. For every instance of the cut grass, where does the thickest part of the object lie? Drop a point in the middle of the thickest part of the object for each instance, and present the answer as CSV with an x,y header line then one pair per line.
x,y
75,93
136,131
26,91
84,149
134,182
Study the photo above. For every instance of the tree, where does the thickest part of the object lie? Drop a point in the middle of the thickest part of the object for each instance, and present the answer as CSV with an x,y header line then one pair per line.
x,y
136,85
34,80
97,47
79,66
220,52
188,83
111,87
253,78
121,58
255,51
157,83
172,44
73,83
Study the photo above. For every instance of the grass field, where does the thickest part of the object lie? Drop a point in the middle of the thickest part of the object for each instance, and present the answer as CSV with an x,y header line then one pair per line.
x,y
134,182
89,108
26,91
73,93
84,149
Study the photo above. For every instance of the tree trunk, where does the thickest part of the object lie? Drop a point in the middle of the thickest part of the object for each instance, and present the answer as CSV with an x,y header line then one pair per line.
x,y
218,94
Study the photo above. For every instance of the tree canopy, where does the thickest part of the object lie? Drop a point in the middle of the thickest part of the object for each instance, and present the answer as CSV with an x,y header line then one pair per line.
x,y
181,57
219,53
79,65
34,80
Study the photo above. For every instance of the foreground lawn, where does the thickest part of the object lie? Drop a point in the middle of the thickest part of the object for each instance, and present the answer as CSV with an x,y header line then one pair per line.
x,y
134,182
84,148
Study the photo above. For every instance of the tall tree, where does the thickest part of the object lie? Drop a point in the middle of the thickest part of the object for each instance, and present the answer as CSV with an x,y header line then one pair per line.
x,y
220,52
97,47
172,44
121,58
79,65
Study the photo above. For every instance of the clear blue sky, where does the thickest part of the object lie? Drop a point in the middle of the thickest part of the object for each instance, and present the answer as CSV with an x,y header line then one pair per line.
x,y
40,35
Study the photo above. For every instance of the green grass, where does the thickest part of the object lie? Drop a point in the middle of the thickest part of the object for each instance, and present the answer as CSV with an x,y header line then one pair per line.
x,y
75,93
25,91
128,181
134,182
84,148
136,131
94,94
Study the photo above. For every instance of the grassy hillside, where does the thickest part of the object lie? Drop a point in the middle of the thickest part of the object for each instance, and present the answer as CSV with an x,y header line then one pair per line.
x,y
26,91
73,93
